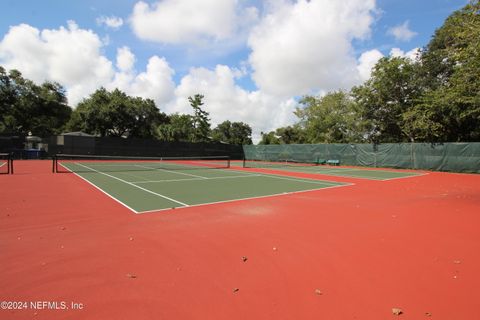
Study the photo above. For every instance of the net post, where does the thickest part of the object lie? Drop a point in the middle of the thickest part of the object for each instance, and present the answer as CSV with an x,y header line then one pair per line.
x,y
244,162
228,162
10,162
54,162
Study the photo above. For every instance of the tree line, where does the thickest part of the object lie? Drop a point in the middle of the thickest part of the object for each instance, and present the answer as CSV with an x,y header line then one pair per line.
x,y
42,110
435,98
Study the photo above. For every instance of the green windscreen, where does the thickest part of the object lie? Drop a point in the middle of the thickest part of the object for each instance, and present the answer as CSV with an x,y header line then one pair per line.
x,y
458,157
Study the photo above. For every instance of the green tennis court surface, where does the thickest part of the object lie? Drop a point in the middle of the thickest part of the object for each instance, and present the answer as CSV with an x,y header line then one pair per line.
x,y
372,174
143,186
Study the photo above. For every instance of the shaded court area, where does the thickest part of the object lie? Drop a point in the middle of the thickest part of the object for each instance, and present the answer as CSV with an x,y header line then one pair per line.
x,y
353,252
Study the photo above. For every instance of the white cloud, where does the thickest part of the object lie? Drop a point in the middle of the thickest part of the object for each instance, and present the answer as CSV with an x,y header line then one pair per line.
x,y
412,54
176,22
73,57
70,56
125,59
402,32
301,47
155,83
225,100
111,22
305,47
367,61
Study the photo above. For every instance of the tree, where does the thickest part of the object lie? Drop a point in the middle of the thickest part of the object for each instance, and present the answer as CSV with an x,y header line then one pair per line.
x,y
241,133
8,99
201,122
291,134
178,127
116,114
333,118
147,118
233,133
269,138
393,89
424,123
51,110
450,107
26,107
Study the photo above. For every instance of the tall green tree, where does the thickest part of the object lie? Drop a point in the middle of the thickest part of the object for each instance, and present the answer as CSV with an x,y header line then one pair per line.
x,y
393,89
26,107
233,133
450,107
201,122
331,118
8,99
291,134
178,127
269,138
116,114
147,118
51,110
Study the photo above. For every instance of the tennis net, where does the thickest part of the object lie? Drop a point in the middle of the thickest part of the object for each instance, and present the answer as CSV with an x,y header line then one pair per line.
x,y
278,163
6,163
91,163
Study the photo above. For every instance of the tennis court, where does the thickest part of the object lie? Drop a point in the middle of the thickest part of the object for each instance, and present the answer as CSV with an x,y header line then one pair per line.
x,y
145,185
372,174
334,253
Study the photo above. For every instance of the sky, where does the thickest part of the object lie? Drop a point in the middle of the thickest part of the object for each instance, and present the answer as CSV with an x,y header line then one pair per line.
x,y
251,59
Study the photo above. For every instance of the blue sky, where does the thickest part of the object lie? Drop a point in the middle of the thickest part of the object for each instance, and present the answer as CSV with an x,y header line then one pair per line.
x,y
252,59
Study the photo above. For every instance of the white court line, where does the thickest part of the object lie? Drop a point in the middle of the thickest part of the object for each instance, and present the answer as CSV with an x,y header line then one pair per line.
x,y
338,174
296,179
185,174
197,179
130,174
250,198
145,167
101,190
312,180
331,172
320,182
353,176
2,164
307,180
131,184
372,170
412,176
339,170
